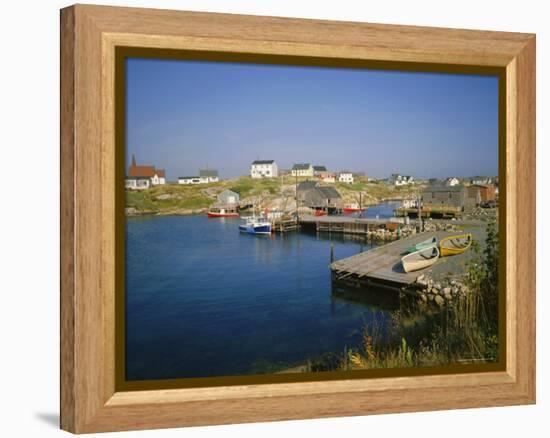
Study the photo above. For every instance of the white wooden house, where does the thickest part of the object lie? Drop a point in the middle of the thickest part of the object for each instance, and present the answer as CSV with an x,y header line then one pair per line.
x,y
397,179
345,176
264,169
208,176
302,169
137,183
189,180
452,181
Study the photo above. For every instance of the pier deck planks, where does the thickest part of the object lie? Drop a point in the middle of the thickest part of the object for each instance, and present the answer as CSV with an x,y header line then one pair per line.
x,y
384,263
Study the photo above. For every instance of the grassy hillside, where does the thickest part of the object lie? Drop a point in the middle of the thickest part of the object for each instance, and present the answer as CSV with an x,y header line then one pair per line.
x,y
188,199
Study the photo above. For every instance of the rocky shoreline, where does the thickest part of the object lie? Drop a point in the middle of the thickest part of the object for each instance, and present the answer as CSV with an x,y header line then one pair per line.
x,y
429,292
132,212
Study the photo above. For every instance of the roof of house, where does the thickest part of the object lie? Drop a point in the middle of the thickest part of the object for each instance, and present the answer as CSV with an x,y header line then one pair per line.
x,y
328,192
438,188
301,166
144,171
208,172
147,171
229,191
307,185
320,168
263,162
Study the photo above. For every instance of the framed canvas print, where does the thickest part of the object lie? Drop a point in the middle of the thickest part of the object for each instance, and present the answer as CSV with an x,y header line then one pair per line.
x,y
269,218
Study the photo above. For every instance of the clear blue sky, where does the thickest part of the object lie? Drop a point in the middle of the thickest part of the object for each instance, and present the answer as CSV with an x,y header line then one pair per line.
x,y
184,115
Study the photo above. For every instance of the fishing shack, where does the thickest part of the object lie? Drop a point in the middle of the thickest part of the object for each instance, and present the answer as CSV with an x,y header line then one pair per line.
x,y
325,198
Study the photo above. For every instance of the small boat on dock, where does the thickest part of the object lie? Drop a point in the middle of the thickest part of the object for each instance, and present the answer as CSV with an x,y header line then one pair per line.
x,y
255,225
223,211
432,241
421,259
453,245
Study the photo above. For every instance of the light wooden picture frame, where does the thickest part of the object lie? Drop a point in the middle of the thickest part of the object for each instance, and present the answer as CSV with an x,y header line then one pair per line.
x,y
91,400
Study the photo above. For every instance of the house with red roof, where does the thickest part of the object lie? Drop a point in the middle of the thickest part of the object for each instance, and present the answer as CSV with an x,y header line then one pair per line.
x,y
143,176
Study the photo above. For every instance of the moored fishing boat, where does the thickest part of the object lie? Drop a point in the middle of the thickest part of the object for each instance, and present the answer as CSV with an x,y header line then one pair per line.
x,y
255,225
421,259
226,211
453,245
353,208
432,241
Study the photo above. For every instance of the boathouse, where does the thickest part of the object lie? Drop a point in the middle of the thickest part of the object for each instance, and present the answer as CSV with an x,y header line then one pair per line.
x,y
486,191
323,198
474,196
228,197
448,196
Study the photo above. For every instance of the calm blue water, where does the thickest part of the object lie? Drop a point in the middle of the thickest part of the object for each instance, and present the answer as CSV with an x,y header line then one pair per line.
x,y
204,300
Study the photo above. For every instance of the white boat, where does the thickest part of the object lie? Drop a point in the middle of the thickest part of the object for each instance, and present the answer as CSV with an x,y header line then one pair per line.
x,y
421,259
255,225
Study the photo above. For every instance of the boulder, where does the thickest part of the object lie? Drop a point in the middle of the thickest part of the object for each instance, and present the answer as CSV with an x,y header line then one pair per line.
x,y
439,300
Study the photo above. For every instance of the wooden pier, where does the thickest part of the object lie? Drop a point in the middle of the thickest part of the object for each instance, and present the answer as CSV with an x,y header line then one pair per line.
x,y
381,267
431,211
284,225
346,224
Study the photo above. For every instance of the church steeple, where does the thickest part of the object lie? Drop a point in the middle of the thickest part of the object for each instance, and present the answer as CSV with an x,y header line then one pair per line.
x,y
133,160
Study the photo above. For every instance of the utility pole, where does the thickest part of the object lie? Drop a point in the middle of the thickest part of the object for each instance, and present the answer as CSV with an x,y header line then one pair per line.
x,y
419,206
296,196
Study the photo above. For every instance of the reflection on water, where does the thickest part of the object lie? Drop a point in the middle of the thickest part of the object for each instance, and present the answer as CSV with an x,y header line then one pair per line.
x,y
374,299
204,300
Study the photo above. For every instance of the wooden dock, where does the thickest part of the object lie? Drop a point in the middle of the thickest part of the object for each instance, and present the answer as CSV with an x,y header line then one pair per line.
x,y
381,267
346,224
431,211
285,225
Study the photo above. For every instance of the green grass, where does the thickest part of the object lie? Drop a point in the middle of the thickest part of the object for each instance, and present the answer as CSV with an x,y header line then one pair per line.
x,y
466,330
247,186
184,198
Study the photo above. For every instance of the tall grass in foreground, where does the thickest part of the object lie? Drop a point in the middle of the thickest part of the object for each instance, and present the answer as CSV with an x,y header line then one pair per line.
x,y
464,331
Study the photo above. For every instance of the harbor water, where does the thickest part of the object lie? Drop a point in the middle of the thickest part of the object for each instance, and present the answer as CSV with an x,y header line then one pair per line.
x,y
204,300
